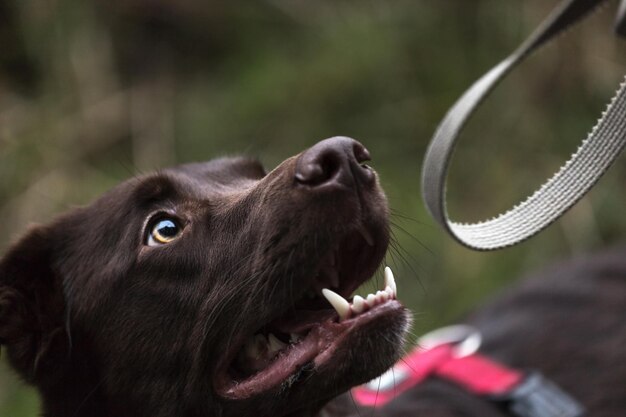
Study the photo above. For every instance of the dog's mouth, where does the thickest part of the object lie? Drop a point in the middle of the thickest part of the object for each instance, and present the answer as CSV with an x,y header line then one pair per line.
x,y
304,337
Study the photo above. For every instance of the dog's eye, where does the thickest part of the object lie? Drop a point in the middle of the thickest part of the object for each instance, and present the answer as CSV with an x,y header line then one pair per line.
x,y
164,231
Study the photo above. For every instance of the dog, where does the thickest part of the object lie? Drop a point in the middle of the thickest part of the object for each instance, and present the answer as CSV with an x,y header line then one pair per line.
x,y
203,290
217,289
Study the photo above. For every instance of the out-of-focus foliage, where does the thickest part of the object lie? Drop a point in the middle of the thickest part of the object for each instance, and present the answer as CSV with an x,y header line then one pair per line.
x,y
92,92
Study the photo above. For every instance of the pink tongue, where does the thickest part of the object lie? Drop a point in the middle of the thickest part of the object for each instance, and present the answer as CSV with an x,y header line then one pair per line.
x,y
301,320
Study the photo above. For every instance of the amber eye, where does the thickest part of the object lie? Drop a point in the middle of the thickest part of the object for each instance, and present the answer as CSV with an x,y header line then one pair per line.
x,y
163,232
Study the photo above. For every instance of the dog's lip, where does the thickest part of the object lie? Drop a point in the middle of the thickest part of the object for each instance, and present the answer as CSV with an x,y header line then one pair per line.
x,y
325,330
315,350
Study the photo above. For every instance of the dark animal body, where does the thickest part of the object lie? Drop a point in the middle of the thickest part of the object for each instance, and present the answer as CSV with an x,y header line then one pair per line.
x,y
196,291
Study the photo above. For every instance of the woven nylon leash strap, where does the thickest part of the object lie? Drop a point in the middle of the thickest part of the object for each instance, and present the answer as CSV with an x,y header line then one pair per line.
x,y
594,156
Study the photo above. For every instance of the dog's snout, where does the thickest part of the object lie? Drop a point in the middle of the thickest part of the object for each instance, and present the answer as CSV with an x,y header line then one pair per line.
x,y
335,161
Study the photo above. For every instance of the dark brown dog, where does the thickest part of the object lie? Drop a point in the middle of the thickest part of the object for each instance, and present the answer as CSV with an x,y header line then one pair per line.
x,y
195,291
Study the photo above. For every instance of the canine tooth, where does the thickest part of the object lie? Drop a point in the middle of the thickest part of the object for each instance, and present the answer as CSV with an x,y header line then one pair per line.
x,y
371,299
338,302
274,344
294,337
390,280
358,304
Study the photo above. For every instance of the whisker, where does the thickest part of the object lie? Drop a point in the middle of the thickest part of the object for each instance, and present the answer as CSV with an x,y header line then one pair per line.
x,y
92,392
395,249
376,399
396,213
414,238
356,408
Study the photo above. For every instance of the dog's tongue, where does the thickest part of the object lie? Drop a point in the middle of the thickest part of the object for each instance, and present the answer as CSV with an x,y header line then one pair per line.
x,y
300,321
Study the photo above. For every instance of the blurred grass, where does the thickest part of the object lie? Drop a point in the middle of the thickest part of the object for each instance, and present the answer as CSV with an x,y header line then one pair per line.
x,y
124,88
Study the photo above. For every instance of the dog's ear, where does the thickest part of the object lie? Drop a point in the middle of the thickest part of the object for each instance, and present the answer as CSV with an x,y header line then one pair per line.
x,y
31,303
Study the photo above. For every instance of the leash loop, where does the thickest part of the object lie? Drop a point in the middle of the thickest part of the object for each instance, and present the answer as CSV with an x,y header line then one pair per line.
x,y
560,192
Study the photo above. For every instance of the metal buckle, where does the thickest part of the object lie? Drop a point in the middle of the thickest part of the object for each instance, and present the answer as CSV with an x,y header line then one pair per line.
x,y
539,397
467,339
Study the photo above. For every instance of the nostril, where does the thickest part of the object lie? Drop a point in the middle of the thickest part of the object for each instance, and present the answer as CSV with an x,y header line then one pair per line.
x,y
335,161
361,153
319,167
362,172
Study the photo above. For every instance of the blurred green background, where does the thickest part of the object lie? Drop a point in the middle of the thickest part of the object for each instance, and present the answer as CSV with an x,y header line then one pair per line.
x,y
92,92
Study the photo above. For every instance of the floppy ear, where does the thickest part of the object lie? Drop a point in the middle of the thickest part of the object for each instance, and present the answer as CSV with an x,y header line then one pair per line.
x,y
31,305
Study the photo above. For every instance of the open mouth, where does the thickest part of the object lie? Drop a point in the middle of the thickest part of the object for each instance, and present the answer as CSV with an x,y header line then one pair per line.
x,y
305,337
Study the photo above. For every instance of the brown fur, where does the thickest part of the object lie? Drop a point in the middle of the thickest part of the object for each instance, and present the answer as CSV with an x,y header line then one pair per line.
x,y
104,325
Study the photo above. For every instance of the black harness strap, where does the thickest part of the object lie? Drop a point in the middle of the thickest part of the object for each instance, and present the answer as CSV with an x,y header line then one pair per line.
x,y
594,156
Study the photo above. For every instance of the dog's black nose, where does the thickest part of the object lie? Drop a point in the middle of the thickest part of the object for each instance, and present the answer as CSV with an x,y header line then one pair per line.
x,y
334,161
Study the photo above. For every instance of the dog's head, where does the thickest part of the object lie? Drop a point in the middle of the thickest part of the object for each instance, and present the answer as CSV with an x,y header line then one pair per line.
x,y
197,290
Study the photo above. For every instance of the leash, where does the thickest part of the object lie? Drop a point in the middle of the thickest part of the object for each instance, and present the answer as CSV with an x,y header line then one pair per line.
x,y
451,354
560,192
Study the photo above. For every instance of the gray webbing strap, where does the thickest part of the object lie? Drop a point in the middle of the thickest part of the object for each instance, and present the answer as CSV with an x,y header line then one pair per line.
x,y
594,156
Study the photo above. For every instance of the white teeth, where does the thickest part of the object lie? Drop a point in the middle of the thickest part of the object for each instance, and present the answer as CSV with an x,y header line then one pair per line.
x,y
294,338
358,304
341,305
275,345
390,280
390,292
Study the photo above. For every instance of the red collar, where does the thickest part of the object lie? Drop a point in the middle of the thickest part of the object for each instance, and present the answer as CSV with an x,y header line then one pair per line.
x,y
475,373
